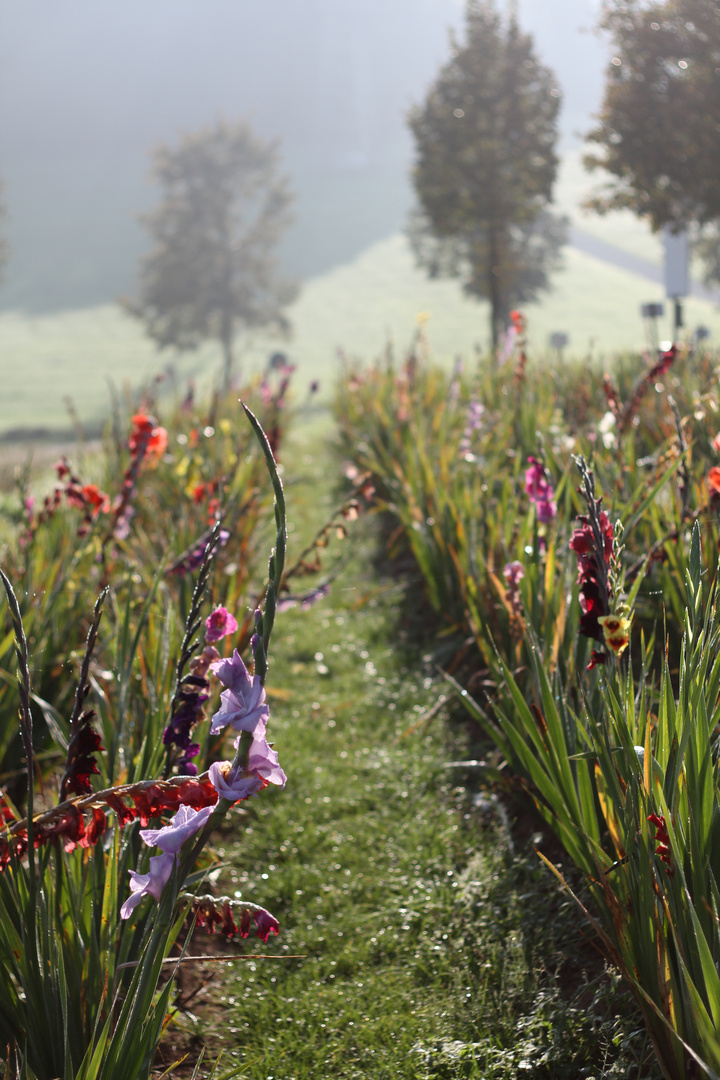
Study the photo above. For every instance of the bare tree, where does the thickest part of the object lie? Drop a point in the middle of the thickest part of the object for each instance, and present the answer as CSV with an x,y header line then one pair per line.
x,y
213,270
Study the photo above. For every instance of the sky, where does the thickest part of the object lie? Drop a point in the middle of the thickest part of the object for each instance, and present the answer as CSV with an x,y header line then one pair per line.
x,y
86,91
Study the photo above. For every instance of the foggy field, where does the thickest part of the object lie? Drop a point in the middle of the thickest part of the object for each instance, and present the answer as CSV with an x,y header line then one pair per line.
x,y
356,308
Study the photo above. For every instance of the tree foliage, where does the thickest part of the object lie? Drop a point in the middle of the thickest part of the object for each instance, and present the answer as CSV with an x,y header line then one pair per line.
x,y
658,131
213,268
486,161
534,251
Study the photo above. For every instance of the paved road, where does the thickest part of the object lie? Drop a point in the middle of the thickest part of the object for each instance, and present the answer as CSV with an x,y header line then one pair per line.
x,y
600,249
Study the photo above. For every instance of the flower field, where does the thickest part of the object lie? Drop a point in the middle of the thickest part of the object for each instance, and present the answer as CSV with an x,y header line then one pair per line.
x,y
565,526
359,688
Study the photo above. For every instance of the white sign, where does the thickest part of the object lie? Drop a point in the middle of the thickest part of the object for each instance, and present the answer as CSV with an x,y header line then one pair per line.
x,y
676,264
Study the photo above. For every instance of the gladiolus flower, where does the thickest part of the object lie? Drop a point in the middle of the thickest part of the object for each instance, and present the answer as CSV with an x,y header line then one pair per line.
x,y
146,433
234,784
265,923
713,482
150,884
662,839
243,703
170,839
616,631
95,498
306,600
219,624
540,490
592,573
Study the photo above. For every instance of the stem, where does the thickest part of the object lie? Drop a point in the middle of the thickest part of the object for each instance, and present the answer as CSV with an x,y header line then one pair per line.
x,y
26,724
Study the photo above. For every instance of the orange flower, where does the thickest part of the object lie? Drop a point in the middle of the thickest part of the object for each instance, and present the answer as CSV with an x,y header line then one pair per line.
x,y
148,434
713,482
95,498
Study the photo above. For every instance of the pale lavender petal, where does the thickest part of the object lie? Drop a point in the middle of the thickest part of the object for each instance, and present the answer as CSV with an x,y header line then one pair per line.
x,y
171,837
234,784
264,760
150,884
233,673
242,715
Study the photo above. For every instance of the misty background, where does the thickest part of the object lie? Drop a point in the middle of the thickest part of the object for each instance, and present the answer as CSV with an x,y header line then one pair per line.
x,y
86,91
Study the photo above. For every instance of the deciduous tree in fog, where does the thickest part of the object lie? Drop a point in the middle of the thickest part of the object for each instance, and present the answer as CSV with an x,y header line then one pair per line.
x,y
658,132
486,164
213,270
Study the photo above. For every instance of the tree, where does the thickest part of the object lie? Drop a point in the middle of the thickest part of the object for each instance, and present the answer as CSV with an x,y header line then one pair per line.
x,y
659,125
486,161
213,269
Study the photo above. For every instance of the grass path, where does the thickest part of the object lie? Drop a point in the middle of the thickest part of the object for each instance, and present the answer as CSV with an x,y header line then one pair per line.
x,y
432,948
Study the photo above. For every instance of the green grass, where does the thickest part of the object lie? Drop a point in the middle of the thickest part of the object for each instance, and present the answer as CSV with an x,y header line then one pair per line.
x,y
433,943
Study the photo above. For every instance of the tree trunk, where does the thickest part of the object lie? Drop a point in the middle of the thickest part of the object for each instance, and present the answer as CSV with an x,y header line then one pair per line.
x,y
226,341
494,291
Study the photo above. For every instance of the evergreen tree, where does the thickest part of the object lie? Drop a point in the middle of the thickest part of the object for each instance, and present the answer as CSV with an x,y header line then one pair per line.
x,y
659,126
213,270
486,163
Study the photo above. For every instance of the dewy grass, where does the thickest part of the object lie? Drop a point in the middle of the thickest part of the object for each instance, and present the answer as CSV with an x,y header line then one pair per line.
x,y
430,946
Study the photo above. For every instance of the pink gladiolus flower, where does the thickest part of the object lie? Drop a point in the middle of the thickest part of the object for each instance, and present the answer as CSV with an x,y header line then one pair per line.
x,y
219,624
265,923
243,703
540,490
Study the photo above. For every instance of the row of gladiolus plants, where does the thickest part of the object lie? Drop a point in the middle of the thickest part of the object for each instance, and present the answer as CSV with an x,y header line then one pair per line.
x,y
565,526
134,587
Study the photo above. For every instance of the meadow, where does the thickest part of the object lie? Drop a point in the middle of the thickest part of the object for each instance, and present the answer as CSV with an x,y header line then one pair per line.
x,y
355,310
368,731
418,934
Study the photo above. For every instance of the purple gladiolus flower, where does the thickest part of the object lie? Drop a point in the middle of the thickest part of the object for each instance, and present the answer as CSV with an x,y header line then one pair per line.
x,y
219,624
264,760
170,838
513,573
234,784
243,703
306,600
151,884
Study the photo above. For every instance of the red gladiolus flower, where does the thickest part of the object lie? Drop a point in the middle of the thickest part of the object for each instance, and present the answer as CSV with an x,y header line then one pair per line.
x,y
713,482
96,499
662,839
147,434
592,573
